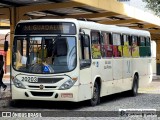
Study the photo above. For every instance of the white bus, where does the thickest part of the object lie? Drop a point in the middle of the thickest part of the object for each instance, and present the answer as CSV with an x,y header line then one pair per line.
x,y
153,55
73,60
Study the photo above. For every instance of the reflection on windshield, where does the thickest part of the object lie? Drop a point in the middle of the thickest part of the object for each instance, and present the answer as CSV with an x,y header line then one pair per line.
x,y
44,54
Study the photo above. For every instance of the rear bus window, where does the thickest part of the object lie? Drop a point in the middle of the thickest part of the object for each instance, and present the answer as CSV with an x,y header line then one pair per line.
x,y
141,41
142,48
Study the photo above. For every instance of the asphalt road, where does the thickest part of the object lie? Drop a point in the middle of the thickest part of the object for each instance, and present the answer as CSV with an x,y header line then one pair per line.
x,y
148,98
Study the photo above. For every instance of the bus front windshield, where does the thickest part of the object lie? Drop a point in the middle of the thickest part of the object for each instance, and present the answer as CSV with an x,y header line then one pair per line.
x,y
44,54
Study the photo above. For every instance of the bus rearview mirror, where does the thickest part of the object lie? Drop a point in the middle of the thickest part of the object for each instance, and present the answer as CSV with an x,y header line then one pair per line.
x,y
84,63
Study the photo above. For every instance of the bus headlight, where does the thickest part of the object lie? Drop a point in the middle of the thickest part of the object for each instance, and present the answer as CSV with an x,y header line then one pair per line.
x,y
68,84
18,83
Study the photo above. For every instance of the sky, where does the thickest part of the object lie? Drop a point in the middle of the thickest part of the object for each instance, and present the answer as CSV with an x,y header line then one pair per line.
x,y
137,3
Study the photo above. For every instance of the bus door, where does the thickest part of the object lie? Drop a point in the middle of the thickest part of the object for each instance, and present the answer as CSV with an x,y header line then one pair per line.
x,y
85,65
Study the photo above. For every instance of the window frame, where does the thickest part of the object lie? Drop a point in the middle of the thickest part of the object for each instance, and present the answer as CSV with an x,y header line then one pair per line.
x,y
99,42
149,41
140,43
129,40
82,48
120,34
109,44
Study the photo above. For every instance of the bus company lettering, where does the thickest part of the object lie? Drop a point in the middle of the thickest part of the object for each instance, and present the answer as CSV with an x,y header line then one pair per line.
x,y
42,27
107,65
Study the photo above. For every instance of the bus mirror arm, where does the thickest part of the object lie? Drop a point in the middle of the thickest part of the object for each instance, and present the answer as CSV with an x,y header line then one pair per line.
x,y
85,63
81,32
5,45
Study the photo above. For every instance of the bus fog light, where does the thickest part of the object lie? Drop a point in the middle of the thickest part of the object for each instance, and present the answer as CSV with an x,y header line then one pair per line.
x,y
18,83
66,85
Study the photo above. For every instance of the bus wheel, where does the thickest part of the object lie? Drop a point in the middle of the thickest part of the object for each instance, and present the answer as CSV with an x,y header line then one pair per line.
x,y
134,90
96,95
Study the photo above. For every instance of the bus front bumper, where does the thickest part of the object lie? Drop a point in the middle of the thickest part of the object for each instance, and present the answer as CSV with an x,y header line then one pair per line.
x,y
49,95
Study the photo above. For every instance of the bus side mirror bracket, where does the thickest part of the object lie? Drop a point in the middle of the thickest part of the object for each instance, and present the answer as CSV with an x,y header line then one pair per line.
x,y
81,32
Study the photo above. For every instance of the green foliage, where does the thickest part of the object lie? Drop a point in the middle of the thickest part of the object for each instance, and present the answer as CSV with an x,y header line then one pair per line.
x,y
153,5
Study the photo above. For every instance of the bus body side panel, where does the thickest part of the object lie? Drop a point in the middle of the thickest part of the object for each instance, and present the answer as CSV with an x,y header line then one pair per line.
x,y
153,55
127,73
117,75
107,78
85,86
142,66
147,78
96,68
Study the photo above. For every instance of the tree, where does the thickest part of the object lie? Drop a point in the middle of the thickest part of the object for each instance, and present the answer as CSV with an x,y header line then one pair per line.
x,y
153,5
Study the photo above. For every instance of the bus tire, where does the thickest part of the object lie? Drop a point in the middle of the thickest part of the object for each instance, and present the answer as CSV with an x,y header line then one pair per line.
x,y
95,100
134,90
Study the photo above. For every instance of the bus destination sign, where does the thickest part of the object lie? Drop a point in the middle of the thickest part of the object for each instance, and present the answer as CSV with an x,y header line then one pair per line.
x,y
45,28
42,27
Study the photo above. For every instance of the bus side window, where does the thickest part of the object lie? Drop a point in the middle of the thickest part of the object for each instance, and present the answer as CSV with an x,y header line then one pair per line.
x,y
96,48
86,47
148,47
148,41
126,46
117,47
20,56
135,47
106,47
142,48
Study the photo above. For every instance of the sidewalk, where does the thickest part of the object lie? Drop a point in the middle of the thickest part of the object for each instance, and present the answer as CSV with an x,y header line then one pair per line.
x,y
5,94
6,78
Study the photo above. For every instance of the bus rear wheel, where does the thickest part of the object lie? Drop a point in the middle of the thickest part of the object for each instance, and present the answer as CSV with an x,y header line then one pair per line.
x,y
95,100
134,90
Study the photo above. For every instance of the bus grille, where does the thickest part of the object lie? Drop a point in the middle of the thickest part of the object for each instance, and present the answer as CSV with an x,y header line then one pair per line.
x,y
37,87
44,94
49,80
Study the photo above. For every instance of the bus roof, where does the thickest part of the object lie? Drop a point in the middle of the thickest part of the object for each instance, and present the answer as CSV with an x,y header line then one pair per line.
x,y
95,26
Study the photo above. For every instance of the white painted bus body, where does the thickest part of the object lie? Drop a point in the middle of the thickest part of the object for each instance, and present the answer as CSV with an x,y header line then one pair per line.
x,y
117,79
153,51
